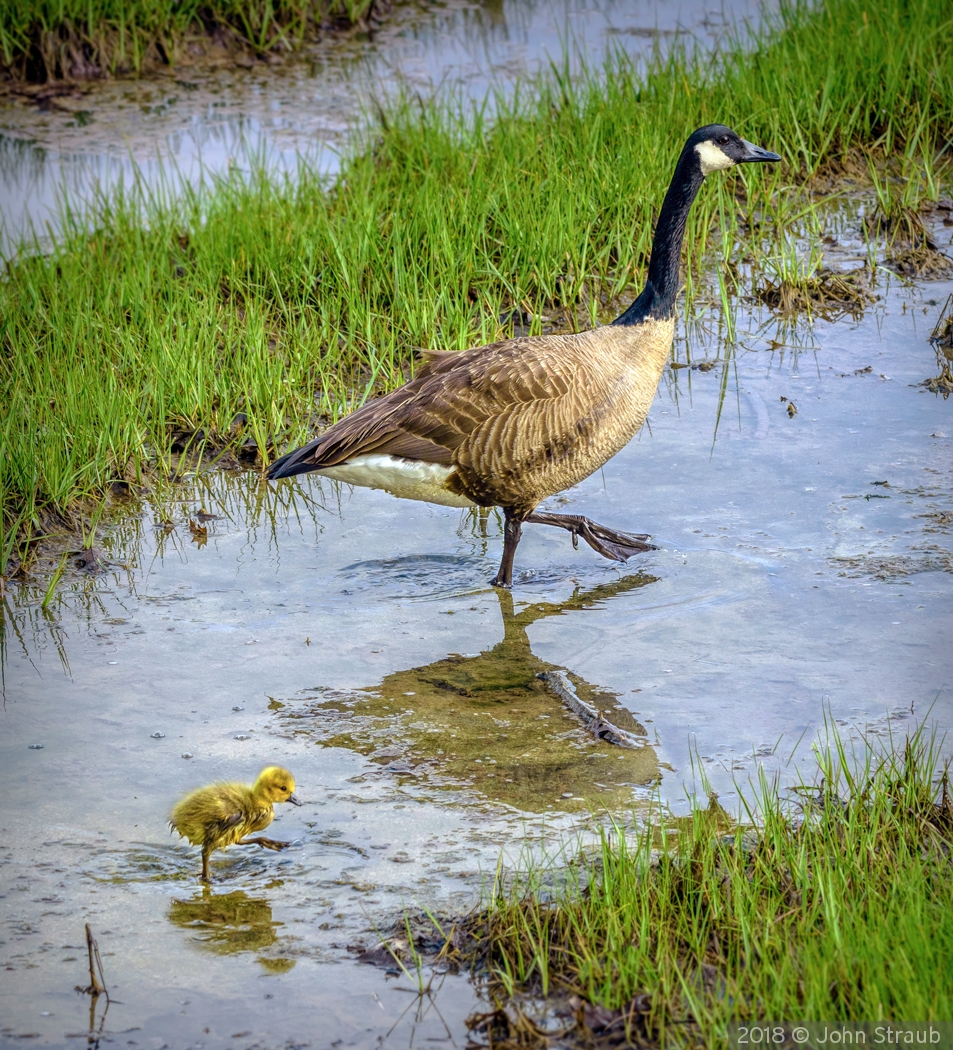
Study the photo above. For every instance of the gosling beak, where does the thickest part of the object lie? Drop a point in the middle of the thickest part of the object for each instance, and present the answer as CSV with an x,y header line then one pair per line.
x,y
755,154
294,800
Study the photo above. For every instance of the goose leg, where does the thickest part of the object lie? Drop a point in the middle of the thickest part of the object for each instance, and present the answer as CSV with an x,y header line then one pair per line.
x,y
512,530
265,843
617,546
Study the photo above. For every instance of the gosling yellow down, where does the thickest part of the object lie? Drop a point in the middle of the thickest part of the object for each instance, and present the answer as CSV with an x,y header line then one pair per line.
x,y
222,815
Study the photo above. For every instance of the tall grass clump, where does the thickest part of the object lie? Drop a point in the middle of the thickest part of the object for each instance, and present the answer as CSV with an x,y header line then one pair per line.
x,y
834,908
244,315
44,40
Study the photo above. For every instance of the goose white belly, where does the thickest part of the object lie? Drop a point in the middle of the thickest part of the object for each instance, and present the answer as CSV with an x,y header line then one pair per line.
x,y
406,478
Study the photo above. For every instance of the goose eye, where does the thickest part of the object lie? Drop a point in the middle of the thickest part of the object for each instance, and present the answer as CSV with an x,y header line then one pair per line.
x,y
723,140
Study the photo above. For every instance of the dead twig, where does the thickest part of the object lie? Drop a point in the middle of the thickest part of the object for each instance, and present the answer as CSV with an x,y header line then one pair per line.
x,y
97,985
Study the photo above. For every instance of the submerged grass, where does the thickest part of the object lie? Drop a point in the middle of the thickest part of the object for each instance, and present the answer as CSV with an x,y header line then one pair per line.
x,y
833,908
242,315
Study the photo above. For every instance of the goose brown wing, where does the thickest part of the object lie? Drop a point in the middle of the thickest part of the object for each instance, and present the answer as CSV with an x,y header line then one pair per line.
x,y
455,396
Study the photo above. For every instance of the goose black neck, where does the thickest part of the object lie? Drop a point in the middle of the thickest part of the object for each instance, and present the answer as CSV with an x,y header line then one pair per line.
x,y
657,300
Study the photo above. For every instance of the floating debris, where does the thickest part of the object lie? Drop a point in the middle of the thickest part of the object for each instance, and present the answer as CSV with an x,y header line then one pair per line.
x,y
36,747
593,720
199,533
89,559
941,519
942,340
896,567
157,736
941,384
923,262
827,293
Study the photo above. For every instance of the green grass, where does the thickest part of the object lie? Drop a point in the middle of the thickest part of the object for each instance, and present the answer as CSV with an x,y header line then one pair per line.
x,y
52,39
287,302
837,908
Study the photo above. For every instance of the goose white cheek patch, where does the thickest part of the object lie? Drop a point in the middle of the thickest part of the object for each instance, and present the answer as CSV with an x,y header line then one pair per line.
x,y
712,158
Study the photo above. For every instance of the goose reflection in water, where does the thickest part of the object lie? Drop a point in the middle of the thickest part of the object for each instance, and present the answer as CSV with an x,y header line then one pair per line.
x,y
230,923
488,724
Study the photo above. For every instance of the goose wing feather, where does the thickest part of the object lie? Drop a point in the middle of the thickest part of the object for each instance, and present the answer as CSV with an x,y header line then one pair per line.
x,y
463,408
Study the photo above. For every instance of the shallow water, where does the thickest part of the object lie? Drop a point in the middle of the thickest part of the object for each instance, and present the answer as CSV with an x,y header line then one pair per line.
x,y
354,637
804,573
188,124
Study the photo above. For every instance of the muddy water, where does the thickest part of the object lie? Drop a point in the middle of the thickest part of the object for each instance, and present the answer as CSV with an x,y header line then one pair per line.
x,y
804,571
188,125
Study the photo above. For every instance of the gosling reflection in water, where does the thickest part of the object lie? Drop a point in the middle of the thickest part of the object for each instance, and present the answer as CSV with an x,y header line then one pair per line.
x,y
487,722
229,923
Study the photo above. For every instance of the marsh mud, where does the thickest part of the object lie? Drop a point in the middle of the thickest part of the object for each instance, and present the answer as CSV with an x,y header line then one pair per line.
x,y
804,573
163,132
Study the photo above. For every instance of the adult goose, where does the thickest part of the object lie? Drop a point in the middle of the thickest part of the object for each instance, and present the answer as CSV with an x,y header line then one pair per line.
x,y
509,424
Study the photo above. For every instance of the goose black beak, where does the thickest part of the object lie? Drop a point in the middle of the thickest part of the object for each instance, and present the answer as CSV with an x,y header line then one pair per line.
x,y
755,154
294,800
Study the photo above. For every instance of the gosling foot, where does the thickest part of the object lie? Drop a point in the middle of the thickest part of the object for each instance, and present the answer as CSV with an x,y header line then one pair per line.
x,y
616,546
265,843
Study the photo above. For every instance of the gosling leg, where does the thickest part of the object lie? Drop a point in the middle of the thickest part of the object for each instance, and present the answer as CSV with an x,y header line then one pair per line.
x,y
206,852
512,530
617,546
264,843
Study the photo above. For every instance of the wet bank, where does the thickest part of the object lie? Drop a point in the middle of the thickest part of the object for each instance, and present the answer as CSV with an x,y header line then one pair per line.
x,y
172,130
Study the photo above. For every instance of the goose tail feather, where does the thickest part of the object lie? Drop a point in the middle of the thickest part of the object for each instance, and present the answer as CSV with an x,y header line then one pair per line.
x,y
292,463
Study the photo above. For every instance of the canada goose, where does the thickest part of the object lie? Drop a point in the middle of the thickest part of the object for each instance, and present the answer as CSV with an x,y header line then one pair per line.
x,y
509,424
221,815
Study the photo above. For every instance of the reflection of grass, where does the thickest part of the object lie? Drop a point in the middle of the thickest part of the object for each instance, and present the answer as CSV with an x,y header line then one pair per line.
x,y
837,908
243,316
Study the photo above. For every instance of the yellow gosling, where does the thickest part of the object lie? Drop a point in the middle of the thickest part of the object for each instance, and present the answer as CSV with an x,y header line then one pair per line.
x,y
222,815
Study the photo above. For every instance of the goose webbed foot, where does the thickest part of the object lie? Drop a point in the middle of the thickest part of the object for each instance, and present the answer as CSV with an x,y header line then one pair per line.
x,y
264,843
616,546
